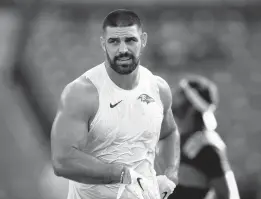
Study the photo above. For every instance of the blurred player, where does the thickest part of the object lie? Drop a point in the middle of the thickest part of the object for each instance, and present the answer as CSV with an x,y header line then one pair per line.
x,y
110,120
204,164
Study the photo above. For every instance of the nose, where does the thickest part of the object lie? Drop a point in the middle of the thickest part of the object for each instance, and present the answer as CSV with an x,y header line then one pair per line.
x,y
123,48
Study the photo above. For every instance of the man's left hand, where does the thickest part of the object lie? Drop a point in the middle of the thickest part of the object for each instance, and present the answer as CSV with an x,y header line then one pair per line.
x,y
166,186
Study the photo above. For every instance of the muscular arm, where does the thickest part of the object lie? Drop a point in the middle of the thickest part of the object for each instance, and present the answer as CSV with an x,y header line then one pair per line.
x,y
69,134
169,143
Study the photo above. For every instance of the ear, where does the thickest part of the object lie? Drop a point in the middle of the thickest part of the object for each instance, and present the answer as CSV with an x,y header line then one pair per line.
x,y
102,40
144,38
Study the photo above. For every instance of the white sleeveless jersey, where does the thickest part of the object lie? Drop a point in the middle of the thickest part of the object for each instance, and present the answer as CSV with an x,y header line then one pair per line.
x,y
125,130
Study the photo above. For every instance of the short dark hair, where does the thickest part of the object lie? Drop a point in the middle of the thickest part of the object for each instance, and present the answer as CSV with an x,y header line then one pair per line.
x,y
121,18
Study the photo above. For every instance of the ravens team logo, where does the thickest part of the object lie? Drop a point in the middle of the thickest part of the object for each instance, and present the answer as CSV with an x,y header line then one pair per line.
x,y
145,98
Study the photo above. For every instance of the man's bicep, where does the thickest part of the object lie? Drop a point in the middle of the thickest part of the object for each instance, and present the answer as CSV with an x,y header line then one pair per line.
x,y
70,125
68,132
168,124
68,129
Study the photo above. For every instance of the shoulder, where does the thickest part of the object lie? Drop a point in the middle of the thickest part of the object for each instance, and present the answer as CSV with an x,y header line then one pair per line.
x,y
79,95
164,91
78,90
162,86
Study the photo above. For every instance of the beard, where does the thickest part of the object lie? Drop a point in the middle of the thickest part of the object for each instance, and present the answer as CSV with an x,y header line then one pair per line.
x,y
123,68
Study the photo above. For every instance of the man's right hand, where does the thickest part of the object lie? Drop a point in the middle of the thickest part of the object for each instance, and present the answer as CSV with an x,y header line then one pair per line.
x,y
138,185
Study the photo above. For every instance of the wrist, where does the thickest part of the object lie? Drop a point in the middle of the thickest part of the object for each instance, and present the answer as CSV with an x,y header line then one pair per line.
x,y
126,176
172,174
116,172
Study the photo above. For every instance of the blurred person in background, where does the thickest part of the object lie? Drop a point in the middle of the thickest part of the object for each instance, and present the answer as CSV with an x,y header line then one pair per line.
x,y
111,118
204,165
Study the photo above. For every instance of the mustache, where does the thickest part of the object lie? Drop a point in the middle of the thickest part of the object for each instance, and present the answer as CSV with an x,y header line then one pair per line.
x,y
123,55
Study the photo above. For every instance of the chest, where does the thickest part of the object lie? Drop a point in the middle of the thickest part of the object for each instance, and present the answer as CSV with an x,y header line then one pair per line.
x,y
133,117
137,111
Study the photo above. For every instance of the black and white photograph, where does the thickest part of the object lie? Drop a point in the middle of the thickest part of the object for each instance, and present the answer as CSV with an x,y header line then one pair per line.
x,y
130,99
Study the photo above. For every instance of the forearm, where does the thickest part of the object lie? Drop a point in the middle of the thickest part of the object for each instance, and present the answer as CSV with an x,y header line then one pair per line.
x,y
84,168
170,149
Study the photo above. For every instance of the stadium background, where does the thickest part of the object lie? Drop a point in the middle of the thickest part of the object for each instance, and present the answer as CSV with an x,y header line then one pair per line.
x,y
44,45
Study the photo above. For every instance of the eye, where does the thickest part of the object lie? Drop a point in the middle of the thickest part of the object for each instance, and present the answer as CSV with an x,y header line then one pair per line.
x,y
113,41
131,39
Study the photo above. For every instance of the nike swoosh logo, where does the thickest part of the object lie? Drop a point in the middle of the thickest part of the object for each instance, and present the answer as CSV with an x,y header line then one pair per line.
x,y
138,179
113,105
165,194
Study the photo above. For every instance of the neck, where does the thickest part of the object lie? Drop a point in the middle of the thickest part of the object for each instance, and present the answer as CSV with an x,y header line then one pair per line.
x,y
126,82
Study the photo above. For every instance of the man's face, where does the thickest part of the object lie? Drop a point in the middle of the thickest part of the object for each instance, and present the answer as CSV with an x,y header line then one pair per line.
x,y
123,47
